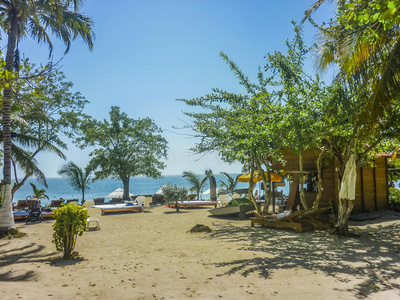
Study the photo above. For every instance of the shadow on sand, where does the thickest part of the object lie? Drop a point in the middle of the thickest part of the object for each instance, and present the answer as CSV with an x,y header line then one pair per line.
x,y
31,253
372,257
175,212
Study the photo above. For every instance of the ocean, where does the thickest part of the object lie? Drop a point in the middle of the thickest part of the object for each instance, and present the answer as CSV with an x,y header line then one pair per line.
x,y
59,187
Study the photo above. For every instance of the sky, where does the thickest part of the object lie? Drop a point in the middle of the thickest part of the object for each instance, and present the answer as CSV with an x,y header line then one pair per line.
x,y
147,54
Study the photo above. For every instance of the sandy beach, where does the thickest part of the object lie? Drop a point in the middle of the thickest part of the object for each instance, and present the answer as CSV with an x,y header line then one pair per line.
x,y
153,256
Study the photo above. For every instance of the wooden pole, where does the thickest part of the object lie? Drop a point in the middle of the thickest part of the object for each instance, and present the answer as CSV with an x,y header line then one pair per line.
x,y
375,195
362,189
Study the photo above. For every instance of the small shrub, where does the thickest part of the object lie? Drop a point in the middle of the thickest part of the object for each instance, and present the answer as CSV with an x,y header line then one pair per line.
x,y
394,199
70,222
173,193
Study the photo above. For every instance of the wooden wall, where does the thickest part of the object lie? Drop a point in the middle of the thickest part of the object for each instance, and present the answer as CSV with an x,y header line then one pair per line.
x,y
371,183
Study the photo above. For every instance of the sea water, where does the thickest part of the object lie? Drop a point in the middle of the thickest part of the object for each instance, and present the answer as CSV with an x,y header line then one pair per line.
x,y
139,185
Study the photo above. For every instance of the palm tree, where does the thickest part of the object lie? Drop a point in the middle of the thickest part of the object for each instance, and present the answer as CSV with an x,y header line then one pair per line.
x,y
367,54
38,193
196,181
38,19
231,182
76,177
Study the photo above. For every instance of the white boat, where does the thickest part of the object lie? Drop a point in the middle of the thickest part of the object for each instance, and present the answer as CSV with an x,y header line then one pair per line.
x,y
235,207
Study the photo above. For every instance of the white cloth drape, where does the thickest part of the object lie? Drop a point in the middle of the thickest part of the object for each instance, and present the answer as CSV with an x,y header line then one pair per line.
x,y
348,185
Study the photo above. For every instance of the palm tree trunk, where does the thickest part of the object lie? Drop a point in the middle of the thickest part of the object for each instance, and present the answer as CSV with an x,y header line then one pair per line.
x,y
6,215
83,196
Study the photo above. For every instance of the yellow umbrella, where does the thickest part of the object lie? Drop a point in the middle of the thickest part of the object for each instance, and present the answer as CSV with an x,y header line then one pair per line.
x,y
257,177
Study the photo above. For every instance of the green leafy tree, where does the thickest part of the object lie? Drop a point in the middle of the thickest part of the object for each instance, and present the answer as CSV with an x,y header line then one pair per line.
x,y
77,178
38,193
301,95
241,127
50,110
70,222
37,19
394,169
363,40
124,147
344,133
174,194
196,181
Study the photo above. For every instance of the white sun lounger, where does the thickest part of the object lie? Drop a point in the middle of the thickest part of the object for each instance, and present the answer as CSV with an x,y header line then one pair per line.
x,y
117,208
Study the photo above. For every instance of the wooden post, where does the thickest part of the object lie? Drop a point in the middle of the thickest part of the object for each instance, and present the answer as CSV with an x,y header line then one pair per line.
x,y
387,183
375,196
362,189
273,197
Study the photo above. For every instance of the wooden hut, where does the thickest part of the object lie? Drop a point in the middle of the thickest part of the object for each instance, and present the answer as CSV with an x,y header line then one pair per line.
x,y
372,193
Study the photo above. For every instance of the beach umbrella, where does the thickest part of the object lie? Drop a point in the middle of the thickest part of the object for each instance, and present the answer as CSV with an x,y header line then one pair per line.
x,y
160,191
118,193
257,177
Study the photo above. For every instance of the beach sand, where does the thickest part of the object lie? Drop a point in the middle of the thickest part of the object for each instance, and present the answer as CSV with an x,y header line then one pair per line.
x,y
153,256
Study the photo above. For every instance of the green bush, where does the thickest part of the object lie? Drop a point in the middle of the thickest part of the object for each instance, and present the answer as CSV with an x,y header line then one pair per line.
x,y
70,222
173,193
394,199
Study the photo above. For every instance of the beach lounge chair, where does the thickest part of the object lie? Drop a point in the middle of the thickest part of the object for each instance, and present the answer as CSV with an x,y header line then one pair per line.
x,y
119,207
192,196
223,199
56,203
288,221
21,205
140,199
93,220
147,202
98,201
73,201
116,200
34,211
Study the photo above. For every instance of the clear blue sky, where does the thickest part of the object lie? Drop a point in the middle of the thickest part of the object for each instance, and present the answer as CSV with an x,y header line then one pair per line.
x,y
149,53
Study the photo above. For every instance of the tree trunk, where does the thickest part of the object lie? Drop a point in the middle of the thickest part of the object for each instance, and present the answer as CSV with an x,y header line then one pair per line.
x,y
267,185
347,195
344,211
125,182
6,215
319,182
250,192
301,182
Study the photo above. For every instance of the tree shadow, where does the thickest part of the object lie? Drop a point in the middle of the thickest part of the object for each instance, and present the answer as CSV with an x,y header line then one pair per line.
x,y
30,253
61,262
175,212
231,218
373,256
